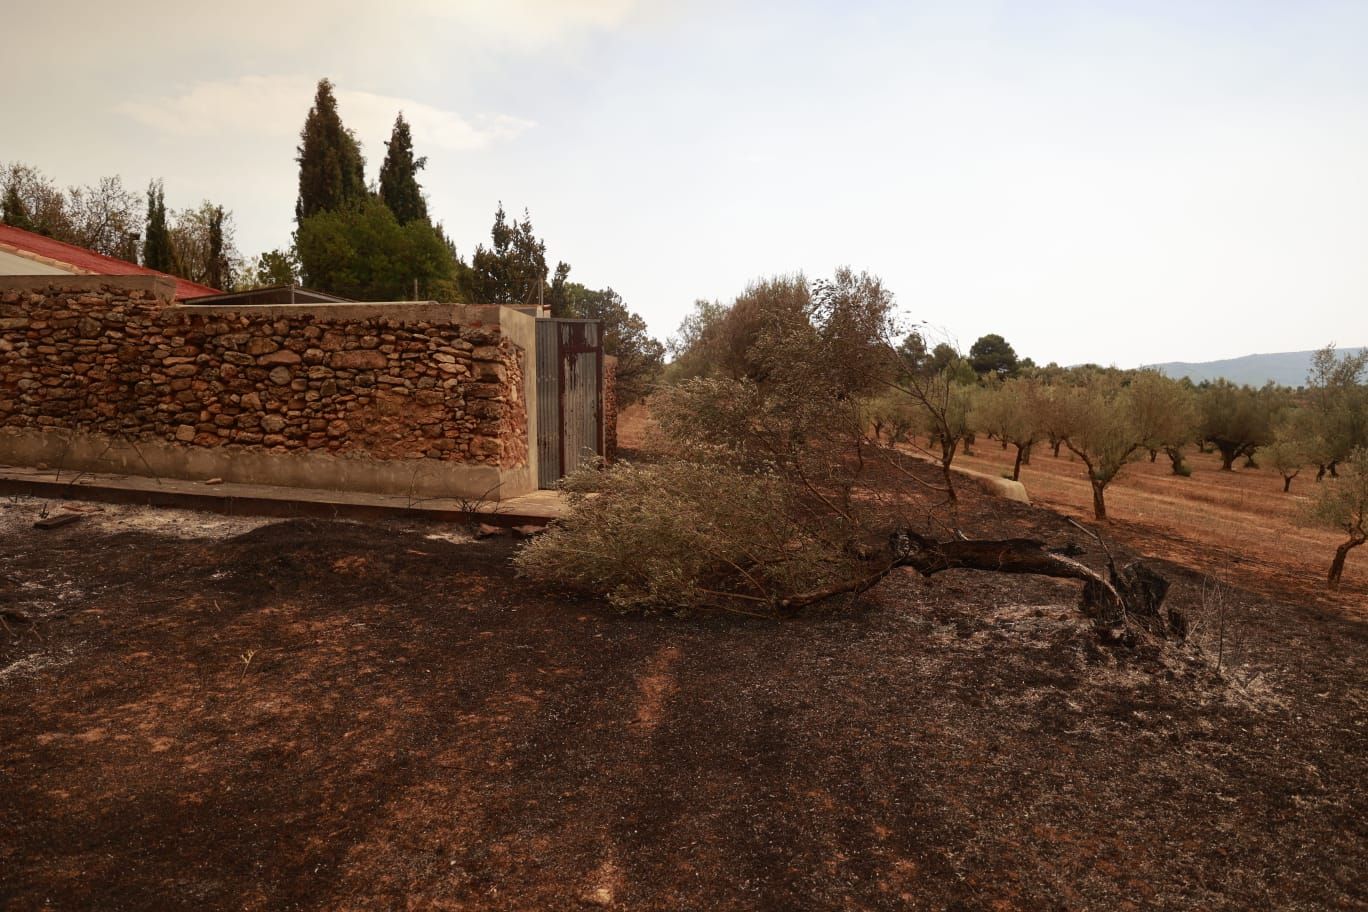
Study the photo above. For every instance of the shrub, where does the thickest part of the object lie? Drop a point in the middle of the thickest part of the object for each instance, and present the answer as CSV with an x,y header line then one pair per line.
x,y
683,534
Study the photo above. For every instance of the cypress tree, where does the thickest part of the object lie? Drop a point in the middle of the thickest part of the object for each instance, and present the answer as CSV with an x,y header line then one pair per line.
x,y
331,168
399,175
220,272
157,251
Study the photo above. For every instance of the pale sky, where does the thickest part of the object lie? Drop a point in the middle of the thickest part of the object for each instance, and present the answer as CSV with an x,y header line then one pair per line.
x,y
1110,182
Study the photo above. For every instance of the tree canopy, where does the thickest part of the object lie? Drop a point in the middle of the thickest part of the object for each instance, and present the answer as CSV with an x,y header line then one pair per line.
x,y
331,167
157,250
991,355
512,270
364,253
399,175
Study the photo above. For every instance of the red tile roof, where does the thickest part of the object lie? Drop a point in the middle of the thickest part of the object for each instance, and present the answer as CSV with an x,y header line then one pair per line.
x,y
88,262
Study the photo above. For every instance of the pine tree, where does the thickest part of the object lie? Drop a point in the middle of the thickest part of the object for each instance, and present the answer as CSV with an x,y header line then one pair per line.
x,y
399,175
13,211
157,250
331,168
511,272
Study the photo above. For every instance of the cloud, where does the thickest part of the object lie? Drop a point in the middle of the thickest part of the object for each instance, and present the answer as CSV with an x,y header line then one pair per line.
x,y
277,106
531,24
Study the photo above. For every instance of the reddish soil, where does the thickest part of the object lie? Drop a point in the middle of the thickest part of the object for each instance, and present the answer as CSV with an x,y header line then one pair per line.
x,y
1234,525
329,715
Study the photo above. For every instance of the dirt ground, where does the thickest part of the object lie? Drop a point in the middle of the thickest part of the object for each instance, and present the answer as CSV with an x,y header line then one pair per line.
x,y
1236,524
203,713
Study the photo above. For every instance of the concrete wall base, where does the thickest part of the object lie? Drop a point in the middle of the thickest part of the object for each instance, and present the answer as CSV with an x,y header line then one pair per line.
x,y
75,451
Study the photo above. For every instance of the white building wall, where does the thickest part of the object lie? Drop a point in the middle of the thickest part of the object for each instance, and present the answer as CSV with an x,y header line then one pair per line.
x,y
13,264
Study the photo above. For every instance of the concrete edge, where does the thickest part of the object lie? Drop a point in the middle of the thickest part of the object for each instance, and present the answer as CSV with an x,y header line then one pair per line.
x,y
229,503
78,451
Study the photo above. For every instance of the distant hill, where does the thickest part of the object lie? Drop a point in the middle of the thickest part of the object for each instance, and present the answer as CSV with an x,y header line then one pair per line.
x,y
1284,368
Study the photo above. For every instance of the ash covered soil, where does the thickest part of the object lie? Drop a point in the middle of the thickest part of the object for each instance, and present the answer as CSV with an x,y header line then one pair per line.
x,y
203,713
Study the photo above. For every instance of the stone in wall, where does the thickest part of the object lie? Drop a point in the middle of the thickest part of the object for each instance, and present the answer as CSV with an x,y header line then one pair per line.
x,y
110,359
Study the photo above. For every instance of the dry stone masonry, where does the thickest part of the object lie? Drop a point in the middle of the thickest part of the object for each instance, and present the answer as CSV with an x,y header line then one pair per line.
x,y
117,359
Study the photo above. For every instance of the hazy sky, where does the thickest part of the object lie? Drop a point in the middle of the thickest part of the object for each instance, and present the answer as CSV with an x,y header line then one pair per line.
x,y
1114,182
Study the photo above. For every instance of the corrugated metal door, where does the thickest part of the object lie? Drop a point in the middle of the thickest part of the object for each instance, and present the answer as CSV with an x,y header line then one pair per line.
x,y
569,396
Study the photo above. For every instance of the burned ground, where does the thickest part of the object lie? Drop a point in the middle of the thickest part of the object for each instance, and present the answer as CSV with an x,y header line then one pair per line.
x,y
328,715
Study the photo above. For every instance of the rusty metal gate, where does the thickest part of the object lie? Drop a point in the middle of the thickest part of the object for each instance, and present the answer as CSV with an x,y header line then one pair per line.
x,y
569,396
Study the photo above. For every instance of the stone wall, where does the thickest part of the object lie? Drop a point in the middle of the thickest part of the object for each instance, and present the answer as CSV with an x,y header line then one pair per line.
x,y
427,384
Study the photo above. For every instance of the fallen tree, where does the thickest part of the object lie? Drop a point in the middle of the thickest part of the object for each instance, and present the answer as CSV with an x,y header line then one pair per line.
x,y
773,497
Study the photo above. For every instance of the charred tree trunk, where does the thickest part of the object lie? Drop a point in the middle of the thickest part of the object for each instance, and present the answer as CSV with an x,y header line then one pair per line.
x,y
1016,466
1126,598
1122,603
947,457
1337,565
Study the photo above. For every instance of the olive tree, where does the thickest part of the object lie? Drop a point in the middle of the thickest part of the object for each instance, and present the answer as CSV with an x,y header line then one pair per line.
x,y
1337,402
1109,422
1166,411
1011,412
1342,503
1236,420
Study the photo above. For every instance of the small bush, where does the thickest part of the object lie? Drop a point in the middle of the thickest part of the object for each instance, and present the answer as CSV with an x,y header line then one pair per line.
x,y
678,535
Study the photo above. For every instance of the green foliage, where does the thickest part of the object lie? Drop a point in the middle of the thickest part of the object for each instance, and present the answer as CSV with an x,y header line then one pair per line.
x,y
1342,503
43,204
779,307
512,270
1164,410
681,534
13,211
1337,403
365,254
1237,419
1013,413
556,297
275,267
692,348
1286,455
893,416
912,351
331,168
1107,428
992,356
157,251
1010,411
399,176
